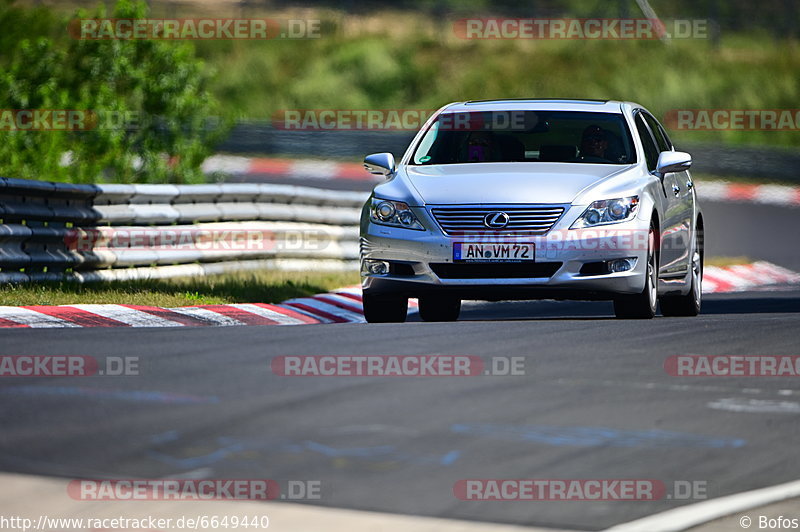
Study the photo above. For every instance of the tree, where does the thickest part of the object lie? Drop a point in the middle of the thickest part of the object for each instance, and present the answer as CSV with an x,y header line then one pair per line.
x,y
147,115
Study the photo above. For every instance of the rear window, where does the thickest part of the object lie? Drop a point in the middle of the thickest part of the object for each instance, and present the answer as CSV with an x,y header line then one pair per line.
x,y
526,136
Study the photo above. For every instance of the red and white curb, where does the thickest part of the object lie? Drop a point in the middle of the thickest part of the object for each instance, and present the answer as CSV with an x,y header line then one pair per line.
x,y
736,192
340,306
739,278
286,168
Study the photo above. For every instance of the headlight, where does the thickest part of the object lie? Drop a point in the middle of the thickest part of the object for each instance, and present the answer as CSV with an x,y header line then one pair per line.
x,y
394,213
610,211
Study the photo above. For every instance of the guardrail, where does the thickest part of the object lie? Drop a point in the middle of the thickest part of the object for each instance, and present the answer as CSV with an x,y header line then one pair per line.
x,y
58,231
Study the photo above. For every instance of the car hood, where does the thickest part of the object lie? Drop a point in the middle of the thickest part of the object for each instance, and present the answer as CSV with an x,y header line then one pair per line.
x,y
506,182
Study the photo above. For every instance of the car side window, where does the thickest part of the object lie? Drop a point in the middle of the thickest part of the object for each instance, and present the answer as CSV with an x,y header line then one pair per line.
x,y
650,149
661,141
666,137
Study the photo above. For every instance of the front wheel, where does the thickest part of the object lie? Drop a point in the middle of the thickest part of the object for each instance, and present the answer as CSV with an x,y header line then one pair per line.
x,y
384,309
642,305
439,308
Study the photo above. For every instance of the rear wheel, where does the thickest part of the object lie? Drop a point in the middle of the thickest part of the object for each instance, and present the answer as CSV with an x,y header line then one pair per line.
x,y
439,308
689,304
642,305
385,308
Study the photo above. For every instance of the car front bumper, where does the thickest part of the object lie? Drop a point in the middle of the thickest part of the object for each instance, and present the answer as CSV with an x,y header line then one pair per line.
x,y
565,265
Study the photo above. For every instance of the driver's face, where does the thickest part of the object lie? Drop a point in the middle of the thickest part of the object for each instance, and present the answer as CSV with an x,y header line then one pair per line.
x,y
480,139
594,145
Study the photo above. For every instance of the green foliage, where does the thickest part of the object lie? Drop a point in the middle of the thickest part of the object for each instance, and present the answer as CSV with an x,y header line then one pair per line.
x,y
407,62
147,105
243,287
383,60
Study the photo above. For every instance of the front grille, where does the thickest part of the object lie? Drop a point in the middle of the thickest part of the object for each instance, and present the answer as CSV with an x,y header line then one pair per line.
x,y
478,270
466,220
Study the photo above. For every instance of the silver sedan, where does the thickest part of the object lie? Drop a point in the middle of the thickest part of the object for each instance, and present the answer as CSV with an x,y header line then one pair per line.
x,y
533,199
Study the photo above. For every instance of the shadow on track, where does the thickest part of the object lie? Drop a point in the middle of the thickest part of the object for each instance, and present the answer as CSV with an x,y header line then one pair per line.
x,y
753,303
717,304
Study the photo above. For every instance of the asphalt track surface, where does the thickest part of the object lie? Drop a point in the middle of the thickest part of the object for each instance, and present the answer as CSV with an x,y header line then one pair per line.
x,y
594,403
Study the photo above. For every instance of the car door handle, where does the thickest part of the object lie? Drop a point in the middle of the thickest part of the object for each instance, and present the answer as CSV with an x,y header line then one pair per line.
x,y
689,185
676,189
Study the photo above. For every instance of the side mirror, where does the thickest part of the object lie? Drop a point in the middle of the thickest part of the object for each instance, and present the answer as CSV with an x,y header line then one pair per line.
x,y
673,161
380,164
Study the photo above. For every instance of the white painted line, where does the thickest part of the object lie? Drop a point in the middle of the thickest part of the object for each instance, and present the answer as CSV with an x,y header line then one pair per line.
x,y
30,496
133,317
207,315
702,512
32,318
280,318
755,406
675,387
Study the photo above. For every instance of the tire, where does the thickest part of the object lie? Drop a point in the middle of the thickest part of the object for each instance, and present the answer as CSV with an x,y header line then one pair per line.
x,y
439,308
385,309
689,304
642,305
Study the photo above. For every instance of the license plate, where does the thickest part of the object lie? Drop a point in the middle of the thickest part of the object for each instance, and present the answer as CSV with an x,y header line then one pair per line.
x,y
493,252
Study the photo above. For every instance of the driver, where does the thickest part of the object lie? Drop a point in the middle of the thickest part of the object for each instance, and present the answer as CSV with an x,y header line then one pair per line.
x,y
480,146
594,142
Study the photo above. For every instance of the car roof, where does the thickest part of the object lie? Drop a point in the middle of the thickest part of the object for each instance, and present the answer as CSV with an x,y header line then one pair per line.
x,y
539,104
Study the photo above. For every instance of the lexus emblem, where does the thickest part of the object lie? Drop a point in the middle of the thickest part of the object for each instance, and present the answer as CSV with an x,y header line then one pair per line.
x,y
496,220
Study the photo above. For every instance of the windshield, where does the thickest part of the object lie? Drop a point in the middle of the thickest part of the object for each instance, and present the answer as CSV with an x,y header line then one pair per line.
x,y
526,136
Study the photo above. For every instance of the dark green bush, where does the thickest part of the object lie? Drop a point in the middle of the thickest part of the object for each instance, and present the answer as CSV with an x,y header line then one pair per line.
x,y
149,112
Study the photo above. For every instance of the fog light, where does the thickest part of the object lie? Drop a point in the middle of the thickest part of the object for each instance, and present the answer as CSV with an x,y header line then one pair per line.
x,y
621,265
376,267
